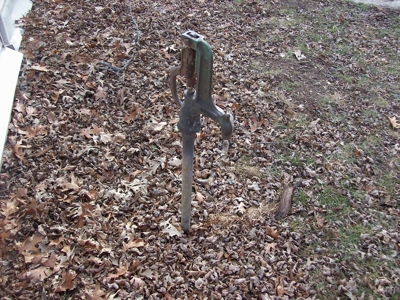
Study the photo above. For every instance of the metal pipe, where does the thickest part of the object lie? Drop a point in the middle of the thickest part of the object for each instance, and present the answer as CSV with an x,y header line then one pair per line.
x,y
197,59
187,178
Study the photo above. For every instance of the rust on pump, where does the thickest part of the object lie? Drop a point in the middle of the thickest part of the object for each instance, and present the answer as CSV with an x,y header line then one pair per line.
x,y
197,68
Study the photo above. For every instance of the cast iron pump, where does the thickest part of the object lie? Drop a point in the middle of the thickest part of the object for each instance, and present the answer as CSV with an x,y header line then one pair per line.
x,y
197,59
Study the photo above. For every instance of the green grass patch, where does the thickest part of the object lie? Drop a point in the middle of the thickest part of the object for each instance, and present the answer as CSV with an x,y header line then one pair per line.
x,y
290,86
381,102
389,182
301,197
336,204
345,154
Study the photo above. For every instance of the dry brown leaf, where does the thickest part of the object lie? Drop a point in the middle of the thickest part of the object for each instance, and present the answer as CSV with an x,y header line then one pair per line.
x,y
393,122
18,150
199,197
40,68
68,281
89,131
57,241
119,272
273,233
92,195
132,244
270,247
29,244
279,289
85,208
133,114
8,208
96,294
51,261
320,220
100,93
36,275
158,126
137,282
147,273
255,124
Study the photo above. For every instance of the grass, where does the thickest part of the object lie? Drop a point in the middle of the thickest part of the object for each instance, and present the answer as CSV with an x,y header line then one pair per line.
x,y
388,182
345,153
289,86
301,197
364,63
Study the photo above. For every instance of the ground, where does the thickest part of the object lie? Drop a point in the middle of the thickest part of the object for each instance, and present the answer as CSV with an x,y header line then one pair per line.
x,y
90,182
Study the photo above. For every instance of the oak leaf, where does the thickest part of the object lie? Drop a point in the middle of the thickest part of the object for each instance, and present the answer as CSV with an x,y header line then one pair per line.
x,y
51,261
100,93
9,208
96,294
119,272
255,124
36,275
132,244
29,245
68,282
133,114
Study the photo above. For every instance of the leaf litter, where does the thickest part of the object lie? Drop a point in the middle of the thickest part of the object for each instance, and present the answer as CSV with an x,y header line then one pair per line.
x,y
90,181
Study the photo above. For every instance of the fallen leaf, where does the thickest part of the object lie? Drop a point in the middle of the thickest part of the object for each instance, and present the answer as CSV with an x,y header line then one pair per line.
x,y
57,95
100,93
393,122
85,111
106,137
314,123
68,281
199,197
273,233
170,229
137,282
40,68
270,247
85,208
9,207
30,244
175,162
255,124
132,244
89,131
51,261
18,150
119,272
279,290
96,294
133,114
147,273
92,195
36,275
240,208
299,55
320,220
166,54
158,126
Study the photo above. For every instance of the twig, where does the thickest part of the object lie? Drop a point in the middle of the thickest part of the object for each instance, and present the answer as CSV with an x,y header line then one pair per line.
x,y
114,68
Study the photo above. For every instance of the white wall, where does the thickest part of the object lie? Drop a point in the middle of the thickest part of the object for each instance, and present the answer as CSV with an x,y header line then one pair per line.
x,y
10,60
